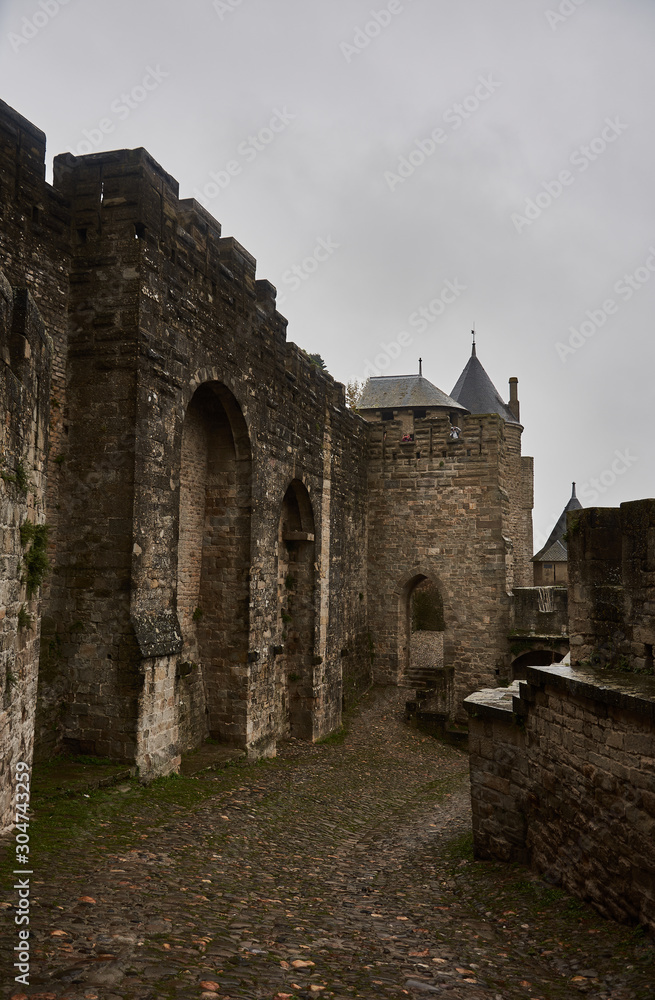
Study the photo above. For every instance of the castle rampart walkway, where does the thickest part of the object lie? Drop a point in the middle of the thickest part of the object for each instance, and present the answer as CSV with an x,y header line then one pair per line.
x,y
338,870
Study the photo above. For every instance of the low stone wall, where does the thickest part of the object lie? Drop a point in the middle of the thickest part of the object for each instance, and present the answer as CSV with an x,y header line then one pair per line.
x,y
563,778
540,611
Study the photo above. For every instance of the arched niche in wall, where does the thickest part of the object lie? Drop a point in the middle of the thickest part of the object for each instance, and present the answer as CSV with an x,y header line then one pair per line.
x,y
214,563
296,612
422,626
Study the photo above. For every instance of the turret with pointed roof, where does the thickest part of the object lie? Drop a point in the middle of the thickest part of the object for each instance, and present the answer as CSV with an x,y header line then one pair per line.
x,y
475,390
550,562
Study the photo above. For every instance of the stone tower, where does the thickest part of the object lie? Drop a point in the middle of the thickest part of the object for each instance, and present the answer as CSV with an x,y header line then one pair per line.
x,y
450,502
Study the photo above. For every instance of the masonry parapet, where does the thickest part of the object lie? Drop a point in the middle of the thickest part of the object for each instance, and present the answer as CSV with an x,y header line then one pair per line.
x,y
561,771
31,206
612,586
407,440
126,196
22,155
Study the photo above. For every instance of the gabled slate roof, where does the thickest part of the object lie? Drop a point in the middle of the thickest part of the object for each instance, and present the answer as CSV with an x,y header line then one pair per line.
x,y
557,534
393,392
476,391
558,552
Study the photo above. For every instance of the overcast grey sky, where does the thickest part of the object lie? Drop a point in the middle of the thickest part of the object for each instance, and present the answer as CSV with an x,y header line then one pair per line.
x,y
409,165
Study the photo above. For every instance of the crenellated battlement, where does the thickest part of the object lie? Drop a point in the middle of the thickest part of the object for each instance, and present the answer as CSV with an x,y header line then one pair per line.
x,y
126,196
22,158
429,442
123,205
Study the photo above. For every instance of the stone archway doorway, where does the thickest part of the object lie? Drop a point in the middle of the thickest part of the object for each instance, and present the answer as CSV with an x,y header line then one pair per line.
x,y
213,567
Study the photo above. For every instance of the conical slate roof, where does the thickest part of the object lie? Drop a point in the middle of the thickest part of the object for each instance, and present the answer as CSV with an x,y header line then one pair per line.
x,y
393,392
476,391
556,540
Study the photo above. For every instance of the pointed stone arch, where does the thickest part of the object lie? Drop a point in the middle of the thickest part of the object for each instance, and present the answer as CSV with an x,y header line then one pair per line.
x,y
296,623
437,620
213,566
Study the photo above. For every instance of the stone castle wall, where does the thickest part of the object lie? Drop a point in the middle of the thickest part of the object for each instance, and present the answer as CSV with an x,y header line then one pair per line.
x,y
517,486
25,360
233,550
540,611
166,347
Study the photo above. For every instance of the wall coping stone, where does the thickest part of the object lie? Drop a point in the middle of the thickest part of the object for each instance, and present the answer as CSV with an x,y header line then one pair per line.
x,y
493,703
634,692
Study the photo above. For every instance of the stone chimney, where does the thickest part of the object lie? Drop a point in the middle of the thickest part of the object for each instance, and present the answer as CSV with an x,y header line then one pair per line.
x,y
514,399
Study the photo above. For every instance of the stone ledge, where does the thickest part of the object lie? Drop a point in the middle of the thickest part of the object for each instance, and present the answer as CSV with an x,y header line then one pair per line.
x,y
634,692
493,703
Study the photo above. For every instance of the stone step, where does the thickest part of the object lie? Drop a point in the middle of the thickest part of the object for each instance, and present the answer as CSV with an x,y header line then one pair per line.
x,y
422,678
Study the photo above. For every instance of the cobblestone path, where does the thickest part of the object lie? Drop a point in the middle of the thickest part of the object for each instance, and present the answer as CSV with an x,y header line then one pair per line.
x,y
339,870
